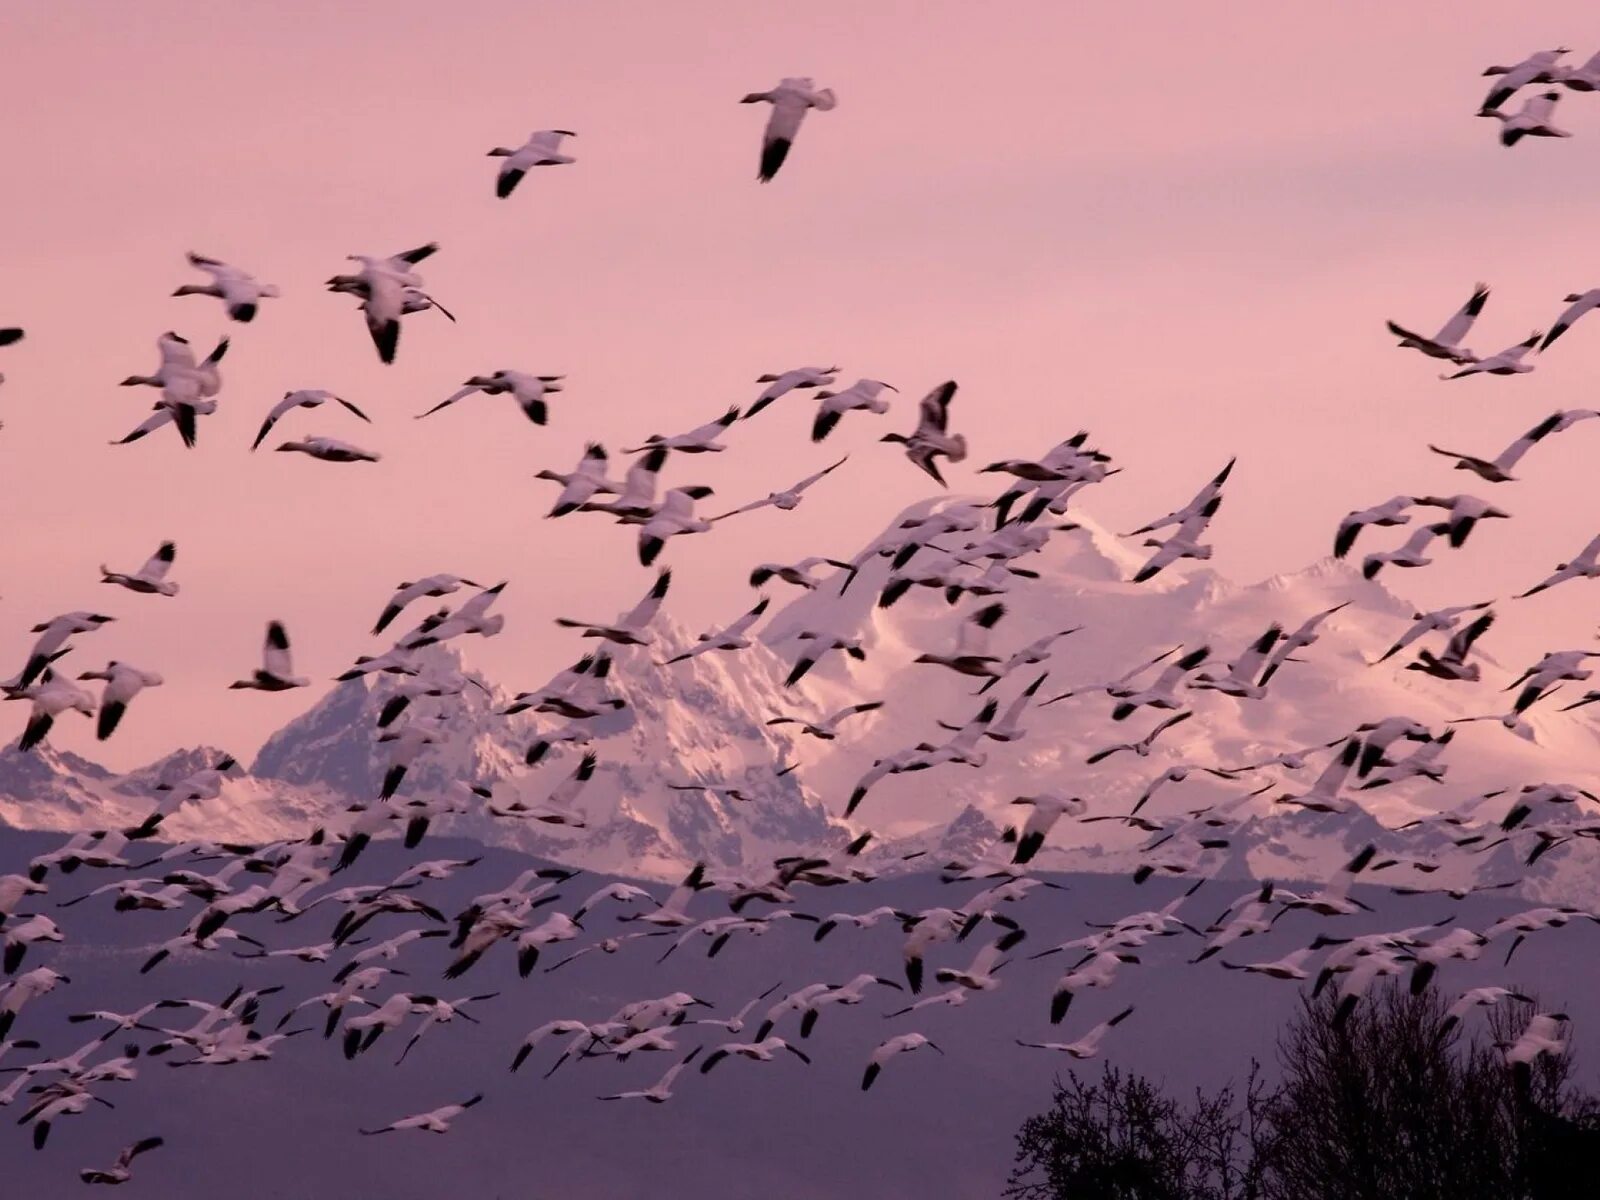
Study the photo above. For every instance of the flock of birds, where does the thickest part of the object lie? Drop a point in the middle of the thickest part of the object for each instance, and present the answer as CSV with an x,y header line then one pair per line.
x,y
232,897
1534,118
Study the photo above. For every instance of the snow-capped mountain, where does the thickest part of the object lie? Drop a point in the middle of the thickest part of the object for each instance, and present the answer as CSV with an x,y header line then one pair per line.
x,y
704,721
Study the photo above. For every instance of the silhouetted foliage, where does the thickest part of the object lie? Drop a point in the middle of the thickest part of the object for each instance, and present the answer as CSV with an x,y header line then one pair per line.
x,y
1393,1101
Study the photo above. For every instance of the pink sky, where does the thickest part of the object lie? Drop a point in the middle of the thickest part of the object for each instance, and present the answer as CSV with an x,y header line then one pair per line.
x,y
1180,232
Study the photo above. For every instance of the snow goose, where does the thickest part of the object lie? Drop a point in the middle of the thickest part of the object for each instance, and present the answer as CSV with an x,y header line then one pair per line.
x,y
383,283
123,682
51,696
784,382
1390,512
1479,997
801,574
150,579
864,395
542,149
1202,499
1578,303
971,655
636,500
1408,555
527,390
1184,543
827,728
473,617
818,644
122,1170
1098,972
903,1044
1442,619
763,1051
730,637
304,398
788,499
1539,67
1446,344
1510,361
1162,691
1452,665
1531,120
1088,1045
16,994
1545,1033
790,101
1240,681
239,291
1143,746
674,518
630,627
276,673
660,1091
64,1098
435,1120
1498,469
330,450
1585,565
582,483
428,585
702,439
931,438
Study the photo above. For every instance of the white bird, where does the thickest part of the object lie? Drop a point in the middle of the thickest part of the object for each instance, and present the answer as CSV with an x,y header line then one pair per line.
x,y
435,1120
788,499
674,518
1578,303
1411,554
276,673
409,590
1585,78
527,390
53,639
660,1091
52,695
542,149
123,682
1441,619
1446,344
636,499
1545,1033
473,617
1088,1045
1390,512
28,931
1510,361
1097,972
1531,120
864,395
582,483
304,398
790,101
122,1170
385,285
763,1051
150,579
1291,966
630,627
972,654
931,438
25,988
1479,997
64,1099
330,450
1585,565
801,574
827,728
729,637
1538,67
784,382
702,439
1498,469
902,1044
239,291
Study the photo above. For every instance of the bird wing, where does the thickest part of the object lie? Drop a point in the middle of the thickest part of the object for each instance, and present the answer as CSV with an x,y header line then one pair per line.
x,y
811,479
1457,326
160,562
933,412
446,403
275,651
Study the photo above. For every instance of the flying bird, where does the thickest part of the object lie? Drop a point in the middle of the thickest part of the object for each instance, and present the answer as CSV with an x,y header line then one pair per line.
x,y
542,149
790,101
